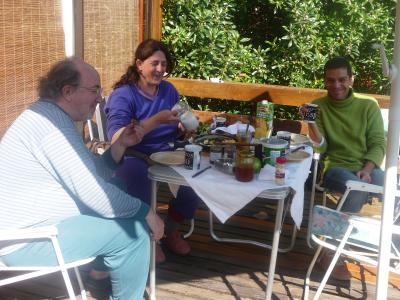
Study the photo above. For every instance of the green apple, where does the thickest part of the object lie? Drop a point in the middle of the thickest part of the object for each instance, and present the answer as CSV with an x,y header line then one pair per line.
x,y
256,165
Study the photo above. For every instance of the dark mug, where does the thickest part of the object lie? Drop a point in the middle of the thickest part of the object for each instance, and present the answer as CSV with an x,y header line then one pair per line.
x,y
309,112
192,157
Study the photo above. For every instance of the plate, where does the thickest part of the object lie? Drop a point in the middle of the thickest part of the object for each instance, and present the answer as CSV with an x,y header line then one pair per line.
x,y
169,158
214,139
296,139
298,156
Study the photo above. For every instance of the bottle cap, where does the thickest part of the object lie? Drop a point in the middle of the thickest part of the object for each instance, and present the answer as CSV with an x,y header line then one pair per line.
x,y
281,160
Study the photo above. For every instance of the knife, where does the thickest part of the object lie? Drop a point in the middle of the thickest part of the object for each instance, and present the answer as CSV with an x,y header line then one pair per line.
x,y
201,171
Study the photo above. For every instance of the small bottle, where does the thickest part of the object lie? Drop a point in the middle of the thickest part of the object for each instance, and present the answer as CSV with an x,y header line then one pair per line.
x,y
280,170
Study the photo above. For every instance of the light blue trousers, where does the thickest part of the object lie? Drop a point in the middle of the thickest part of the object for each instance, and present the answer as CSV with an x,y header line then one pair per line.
x,y
121,245
335,180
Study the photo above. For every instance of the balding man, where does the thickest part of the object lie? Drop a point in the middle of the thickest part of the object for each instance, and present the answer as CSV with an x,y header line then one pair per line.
x,y
49,177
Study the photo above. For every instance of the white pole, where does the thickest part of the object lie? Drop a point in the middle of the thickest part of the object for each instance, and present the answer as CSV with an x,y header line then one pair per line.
x,y
390,172
67,10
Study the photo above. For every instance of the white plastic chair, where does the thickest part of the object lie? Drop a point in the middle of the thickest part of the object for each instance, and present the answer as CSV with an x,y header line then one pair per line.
x,y
100,122
30,235
334,230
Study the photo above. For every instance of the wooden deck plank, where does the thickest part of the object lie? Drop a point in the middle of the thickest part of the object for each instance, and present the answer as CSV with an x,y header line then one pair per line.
x,y
216,270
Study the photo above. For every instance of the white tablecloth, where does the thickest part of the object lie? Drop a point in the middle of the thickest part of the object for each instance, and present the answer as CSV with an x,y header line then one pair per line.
x,y
224,195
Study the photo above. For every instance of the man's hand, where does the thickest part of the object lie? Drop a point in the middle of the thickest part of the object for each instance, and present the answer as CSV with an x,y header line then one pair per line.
x,y
313,131
156,225
364,176
365,173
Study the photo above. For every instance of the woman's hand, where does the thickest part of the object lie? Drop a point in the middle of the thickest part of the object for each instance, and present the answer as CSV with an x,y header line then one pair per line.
x,y
162,117
186,134
131,135
167,117
125,137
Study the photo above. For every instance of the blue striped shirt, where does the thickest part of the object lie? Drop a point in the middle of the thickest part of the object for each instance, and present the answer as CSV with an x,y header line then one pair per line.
x,y
47,174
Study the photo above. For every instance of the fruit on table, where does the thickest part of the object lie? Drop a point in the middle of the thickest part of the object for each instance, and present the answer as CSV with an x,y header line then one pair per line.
x,y
257,165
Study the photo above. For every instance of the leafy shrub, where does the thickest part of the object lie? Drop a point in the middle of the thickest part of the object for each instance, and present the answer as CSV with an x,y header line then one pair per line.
x,y
284,42
316,30
206,44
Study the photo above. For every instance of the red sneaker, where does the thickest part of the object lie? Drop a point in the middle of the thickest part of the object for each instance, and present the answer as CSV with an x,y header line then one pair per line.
x,y
160,256
176,243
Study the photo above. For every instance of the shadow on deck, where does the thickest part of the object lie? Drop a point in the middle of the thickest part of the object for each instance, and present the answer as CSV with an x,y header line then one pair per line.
x,y
230,271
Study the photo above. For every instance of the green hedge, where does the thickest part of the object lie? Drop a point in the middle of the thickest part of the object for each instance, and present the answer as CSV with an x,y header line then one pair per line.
x,y
283,42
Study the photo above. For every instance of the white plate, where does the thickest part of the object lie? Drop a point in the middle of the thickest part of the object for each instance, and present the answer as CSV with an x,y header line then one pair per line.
x,y
169,158
298,156
297,139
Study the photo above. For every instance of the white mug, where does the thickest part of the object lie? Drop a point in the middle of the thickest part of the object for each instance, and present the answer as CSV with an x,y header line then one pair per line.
x,y
192,157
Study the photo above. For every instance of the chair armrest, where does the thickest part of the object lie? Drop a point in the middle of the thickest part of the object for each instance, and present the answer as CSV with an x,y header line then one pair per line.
x,y
28,233
364,187
355,220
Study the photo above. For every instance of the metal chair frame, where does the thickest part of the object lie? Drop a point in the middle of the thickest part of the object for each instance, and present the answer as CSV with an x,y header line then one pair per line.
x,y
364,253
32,234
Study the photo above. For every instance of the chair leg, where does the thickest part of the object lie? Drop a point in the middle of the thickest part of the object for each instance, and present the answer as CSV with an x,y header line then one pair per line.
x,y
64,271
189,233
310,268
68,284
333,262
81,287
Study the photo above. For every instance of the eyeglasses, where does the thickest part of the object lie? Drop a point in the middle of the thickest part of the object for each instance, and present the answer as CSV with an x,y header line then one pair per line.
x,y
95,90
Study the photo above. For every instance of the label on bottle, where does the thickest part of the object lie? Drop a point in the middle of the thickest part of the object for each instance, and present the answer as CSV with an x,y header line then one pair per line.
x,y
264,116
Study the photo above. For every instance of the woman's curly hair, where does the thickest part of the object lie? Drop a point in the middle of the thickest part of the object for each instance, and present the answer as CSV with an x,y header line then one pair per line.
x,y
146,49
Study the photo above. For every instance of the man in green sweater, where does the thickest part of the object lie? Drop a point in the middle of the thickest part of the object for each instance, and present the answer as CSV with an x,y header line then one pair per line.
x,y
349,131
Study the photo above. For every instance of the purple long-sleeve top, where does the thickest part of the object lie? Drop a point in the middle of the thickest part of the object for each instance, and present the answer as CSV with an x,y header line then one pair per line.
x,y
126,103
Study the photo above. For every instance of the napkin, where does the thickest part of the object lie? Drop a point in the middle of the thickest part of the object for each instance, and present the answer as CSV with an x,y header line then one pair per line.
x,y
233,129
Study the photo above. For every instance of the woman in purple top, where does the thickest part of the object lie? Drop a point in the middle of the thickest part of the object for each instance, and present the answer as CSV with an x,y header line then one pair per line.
x,y
141,94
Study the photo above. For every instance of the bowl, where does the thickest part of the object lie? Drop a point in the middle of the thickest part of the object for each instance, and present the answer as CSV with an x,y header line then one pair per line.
x,y
225,165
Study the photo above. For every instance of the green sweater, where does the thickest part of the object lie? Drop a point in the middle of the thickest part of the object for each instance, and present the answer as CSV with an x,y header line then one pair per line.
x,y
353,131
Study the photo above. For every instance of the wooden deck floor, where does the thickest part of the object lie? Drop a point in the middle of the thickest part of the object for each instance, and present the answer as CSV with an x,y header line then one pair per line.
x,y
229,271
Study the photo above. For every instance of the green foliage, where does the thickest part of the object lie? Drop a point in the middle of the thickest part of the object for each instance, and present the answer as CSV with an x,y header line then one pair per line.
x,y
206,44
316,30
285,42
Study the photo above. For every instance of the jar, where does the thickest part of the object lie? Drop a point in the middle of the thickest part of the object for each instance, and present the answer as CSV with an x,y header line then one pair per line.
x,y
215,153
280,170
244,166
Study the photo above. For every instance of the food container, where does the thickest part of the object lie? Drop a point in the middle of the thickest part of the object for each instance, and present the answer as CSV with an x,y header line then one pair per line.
x,y
215,153
273,148
225,165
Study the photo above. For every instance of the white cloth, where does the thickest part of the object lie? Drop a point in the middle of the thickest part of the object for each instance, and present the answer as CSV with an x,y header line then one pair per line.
x,y
233,129
224,195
